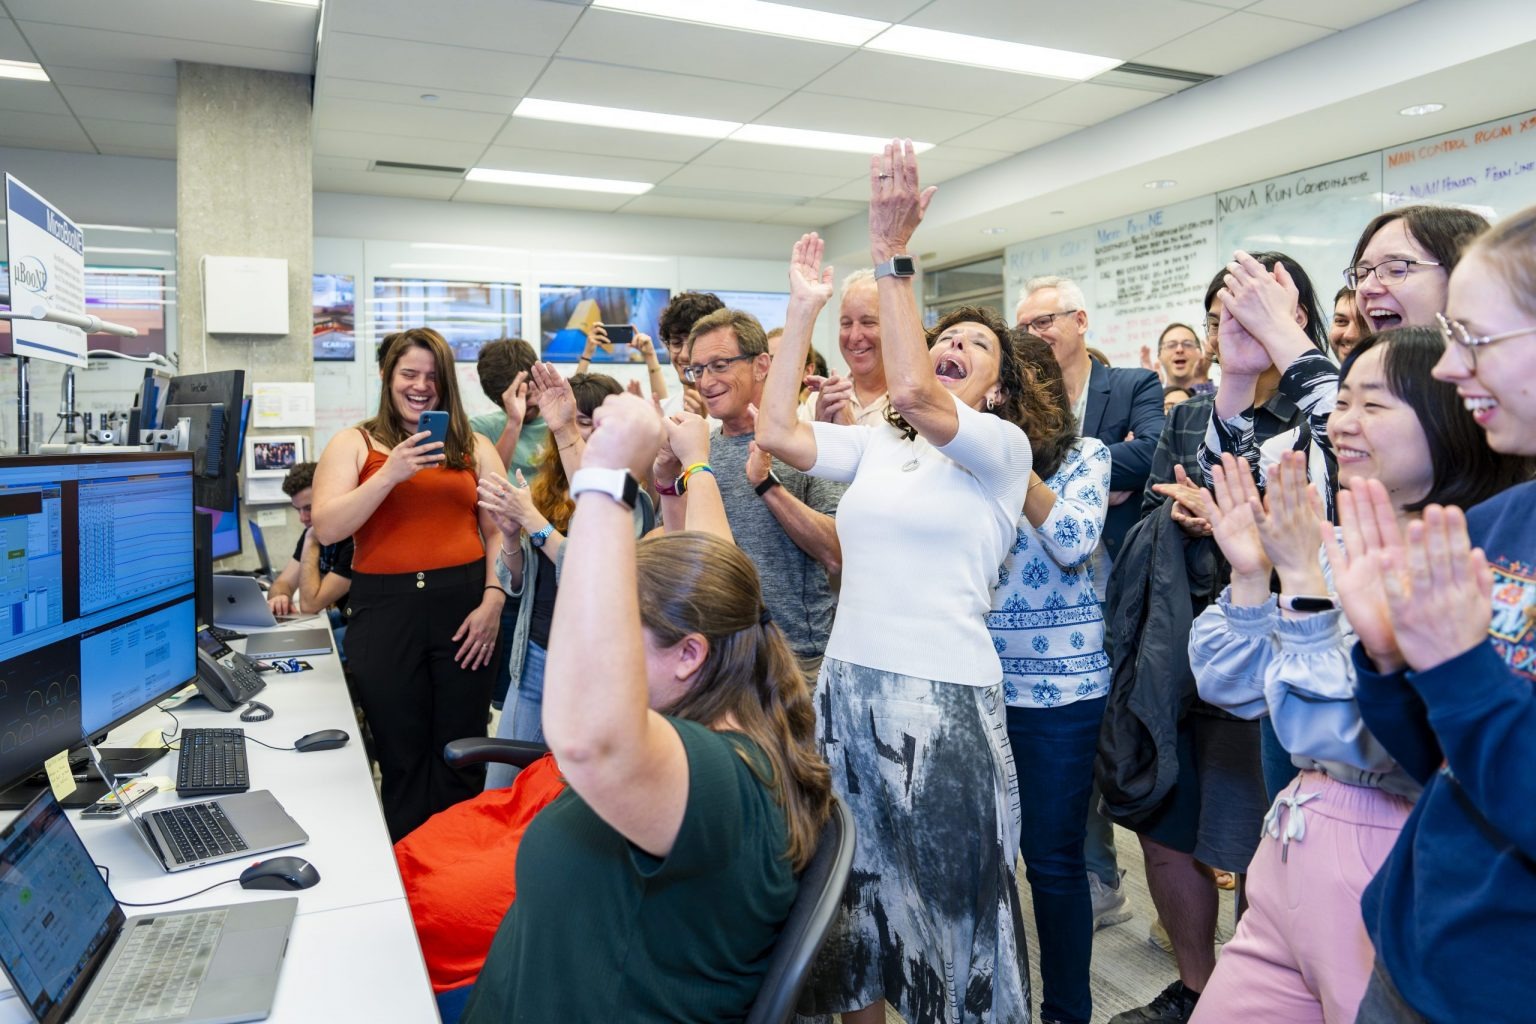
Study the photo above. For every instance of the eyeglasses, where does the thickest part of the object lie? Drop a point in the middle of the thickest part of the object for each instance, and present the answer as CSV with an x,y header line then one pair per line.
x,y
1042,323
1178,343
695,372
675,342
1455,333
1388,272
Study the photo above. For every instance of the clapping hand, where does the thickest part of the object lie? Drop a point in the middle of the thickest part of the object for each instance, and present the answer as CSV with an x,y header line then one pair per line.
x,y
511,507
810,284
552,394
1233,509
515,399
626,434
1367,530
1190,503
688,438
1288,525
834,398
1439,590
1242,355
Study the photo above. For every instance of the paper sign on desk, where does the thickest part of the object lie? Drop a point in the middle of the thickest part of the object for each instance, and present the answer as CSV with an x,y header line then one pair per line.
x,y
61,778
283,404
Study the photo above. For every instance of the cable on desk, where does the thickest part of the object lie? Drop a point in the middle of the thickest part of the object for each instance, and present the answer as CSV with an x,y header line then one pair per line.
x,y
253,739
106,876
255,711
167,737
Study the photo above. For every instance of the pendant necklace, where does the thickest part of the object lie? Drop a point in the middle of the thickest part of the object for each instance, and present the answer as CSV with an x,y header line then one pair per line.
x,y
917,451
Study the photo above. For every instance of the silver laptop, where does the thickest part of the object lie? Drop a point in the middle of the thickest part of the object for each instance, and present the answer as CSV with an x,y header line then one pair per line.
x,y
240,601
189,835
288,643
71,954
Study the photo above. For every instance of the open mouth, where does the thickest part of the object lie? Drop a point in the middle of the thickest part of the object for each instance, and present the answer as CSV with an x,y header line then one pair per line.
x,y
418,403
1383,319
950,368
1351,455
1482,407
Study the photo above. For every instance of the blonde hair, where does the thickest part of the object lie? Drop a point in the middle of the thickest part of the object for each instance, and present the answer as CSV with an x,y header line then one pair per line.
x,y
699,583
1509,247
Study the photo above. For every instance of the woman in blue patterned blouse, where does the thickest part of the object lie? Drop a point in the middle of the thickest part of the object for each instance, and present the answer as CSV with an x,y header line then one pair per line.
x,y
1048,628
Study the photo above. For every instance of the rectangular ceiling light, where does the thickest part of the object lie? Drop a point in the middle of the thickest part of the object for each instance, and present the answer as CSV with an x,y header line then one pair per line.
x,y
758,16
801,138
977,51
563,181
25,70
631,120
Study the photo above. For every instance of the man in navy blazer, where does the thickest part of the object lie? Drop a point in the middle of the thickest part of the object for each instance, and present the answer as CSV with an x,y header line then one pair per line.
x,y
1121,406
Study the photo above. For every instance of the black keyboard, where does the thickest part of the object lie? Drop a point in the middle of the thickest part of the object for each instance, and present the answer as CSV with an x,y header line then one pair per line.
x,y
199,831
226,635
212,763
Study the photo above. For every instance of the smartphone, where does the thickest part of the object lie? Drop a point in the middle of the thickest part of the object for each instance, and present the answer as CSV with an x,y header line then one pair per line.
x,y
435,422
108,806
620,334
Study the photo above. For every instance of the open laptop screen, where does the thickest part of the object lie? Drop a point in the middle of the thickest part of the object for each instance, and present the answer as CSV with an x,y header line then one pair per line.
x,y
57,916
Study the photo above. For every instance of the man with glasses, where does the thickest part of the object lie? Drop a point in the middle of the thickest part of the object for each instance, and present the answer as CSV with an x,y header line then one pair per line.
x,y
1184,360
782,518
674,325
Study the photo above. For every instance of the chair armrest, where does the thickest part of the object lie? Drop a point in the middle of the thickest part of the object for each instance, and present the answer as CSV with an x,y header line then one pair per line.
x,y
489,750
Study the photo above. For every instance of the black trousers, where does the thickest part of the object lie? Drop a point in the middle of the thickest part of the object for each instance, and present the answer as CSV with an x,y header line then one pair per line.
x,y
400,649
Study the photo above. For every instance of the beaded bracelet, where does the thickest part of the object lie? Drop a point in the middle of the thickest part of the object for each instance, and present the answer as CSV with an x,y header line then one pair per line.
x,y
697,467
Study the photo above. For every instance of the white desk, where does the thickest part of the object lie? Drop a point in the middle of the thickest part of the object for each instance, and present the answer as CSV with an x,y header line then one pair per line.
x,y
353,954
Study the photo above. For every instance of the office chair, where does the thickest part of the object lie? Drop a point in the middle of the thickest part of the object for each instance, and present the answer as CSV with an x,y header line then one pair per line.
x,y
810,916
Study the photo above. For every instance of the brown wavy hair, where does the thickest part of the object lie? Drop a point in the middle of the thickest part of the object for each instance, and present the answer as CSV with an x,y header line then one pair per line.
x,y
1047,413
388,428
551,490
1009,379
693,582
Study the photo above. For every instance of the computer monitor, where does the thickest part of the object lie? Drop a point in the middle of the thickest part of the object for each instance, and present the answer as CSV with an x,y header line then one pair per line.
x,y
97,616
227,538
210,401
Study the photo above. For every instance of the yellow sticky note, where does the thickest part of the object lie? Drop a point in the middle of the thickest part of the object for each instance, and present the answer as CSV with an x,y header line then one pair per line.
x,y
60,777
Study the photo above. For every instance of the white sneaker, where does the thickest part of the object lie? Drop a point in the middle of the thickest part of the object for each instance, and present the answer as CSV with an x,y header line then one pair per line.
x,y
1108,902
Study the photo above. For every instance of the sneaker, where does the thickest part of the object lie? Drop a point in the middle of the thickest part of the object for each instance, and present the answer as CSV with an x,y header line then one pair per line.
x,y
1174,1005
1158,936
1108,902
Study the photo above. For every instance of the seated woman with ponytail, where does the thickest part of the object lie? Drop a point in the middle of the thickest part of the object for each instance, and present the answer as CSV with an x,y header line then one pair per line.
x,y
655,887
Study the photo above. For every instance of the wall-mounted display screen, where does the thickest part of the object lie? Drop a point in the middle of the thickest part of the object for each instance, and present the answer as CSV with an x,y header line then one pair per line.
x,y
568,311
335,309
466,313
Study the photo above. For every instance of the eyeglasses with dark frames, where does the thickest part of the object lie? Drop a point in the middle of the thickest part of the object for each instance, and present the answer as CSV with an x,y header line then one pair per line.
x,y
1044,321
1388,272
694,372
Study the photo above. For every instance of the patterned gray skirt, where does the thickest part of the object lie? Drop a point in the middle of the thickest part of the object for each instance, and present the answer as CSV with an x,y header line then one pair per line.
x,y
930,920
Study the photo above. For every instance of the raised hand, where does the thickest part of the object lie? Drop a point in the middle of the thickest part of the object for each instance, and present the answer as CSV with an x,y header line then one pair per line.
x,y
515,399
1232,509
688,437
809,282
626,434
896,202
410,457
1288,525
1241,353
1439,590
553,395
1367,529
644,345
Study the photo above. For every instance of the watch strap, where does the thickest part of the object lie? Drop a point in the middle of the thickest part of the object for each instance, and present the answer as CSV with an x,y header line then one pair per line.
x,y
538,539
1307,602
769,483
900,265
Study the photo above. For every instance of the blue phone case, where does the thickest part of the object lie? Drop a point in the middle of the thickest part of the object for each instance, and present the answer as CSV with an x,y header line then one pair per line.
x,y
434,421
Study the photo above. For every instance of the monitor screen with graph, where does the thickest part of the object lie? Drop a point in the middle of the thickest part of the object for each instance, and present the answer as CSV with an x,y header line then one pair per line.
x,y
97,616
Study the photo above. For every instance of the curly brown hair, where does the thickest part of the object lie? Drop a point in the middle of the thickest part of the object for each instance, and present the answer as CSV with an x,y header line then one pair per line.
x,y
1047,413
1010,382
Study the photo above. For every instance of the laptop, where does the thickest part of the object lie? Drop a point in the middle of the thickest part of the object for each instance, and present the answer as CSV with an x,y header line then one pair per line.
x,y
259,541
71,954
189,835
240,601
288,643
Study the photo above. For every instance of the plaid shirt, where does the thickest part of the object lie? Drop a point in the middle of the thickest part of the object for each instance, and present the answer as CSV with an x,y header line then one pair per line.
x,y
1183,438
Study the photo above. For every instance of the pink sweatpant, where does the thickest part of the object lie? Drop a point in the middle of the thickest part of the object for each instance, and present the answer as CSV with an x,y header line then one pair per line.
x,y
1300,953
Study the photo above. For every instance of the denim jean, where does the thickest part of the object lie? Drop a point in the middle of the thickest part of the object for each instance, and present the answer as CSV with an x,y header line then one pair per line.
x,y
1384,1004
1053,750
504,664
524,720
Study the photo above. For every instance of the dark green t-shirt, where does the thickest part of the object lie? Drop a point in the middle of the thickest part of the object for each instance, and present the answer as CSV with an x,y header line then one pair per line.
x,y
602,931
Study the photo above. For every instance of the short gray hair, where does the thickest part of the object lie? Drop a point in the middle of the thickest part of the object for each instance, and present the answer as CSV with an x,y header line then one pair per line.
x,y
1070,292
859,277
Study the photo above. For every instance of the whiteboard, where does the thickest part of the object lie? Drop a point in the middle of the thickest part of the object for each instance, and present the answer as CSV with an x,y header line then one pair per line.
x,y
1488,167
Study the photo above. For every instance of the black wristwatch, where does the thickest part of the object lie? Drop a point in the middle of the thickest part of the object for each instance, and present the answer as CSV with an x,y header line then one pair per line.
x,y
768,484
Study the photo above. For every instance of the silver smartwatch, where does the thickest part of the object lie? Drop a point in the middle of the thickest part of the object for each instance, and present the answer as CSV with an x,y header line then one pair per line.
x,y
618,484
897,266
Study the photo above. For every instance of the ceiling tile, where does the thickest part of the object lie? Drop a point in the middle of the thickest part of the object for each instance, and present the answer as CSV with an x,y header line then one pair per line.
x,y
667,92
514,26
1087,103
400,148
1326,13
331,88
884,76
12,45
736,179
20,128
578,138
340,163
515,195
1012,135
428,65
707,209
285,27
661,45
428,122
784,158
332,179
871,117
1234,42
153,55
152,153
812,215
111,136
32,97
856,190
879,10
91,78
121,105
545,161
1107,28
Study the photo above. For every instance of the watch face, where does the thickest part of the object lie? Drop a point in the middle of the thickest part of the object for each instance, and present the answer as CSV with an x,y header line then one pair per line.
x,y
903,266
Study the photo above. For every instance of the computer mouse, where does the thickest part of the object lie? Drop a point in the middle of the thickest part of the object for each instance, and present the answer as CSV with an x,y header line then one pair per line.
x,y
325,739
286,873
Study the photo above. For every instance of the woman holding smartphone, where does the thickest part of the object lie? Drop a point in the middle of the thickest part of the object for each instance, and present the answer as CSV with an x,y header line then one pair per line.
x,y
425,605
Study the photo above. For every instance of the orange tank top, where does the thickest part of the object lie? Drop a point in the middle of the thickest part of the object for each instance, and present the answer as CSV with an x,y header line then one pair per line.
x,y
427,522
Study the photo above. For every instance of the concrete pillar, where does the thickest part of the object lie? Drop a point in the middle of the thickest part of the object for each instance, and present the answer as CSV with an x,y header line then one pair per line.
x,y
244,187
